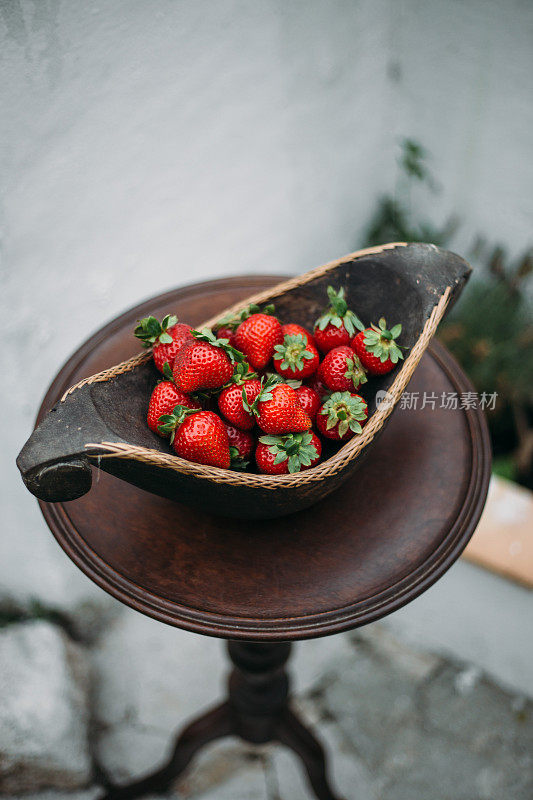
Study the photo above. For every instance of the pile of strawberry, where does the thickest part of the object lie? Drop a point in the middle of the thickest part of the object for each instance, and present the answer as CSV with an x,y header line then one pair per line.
x,y
256,386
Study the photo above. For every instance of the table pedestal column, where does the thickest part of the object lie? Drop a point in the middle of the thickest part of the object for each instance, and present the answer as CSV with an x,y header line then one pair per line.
x,y
256,710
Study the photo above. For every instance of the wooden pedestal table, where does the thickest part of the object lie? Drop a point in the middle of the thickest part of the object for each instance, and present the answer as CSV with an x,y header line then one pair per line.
x,y
390,532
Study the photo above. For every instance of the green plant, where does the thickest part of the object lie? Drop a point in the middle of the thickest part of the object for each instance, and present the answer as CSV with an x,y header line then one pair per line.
x,y
490,331
393,220
491,334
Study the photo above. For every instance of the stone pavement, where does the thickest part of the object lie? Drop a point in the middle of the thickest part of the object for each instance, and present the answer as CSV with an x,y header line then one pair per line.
x,y
399,723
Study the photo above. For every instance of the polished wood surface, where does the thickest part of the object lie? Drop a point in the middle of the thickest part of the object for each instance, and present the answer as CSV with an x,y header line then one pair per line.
x,y
372,546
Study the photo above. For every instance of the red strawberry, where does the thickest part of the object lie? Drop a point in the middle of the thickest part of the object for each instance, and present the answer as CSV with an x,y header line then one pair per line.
x,y
166,338
164,398
230,402
241,444
225,332
279,455
198,436
292,329
226,327
204,363
242,441
317,385
338,323
309,400
339,417
377,348
341,370
295,357
256,337
278,411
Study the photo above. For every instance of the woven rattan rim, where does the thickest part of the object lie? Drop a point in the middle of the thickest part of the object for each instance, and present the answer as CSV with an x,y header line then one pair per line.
x,y
258,298
331,466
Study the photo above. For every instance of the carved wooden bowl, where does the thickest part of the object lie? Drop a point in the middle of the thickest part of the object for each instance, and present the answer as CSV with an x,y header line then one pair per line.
x,y
102,420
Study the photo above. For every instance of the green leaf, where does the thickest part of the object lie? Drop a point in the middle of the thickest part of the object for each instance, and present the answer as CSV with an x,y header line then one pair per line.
x,y
167,372
355,426
151,326
245,402
270,439
294,464
281,456
396,330
165,338
343,427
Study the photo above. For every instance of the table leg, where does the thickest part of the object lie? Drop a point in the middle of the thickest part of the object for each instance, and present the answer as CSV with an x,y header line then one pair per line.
x,y
257,711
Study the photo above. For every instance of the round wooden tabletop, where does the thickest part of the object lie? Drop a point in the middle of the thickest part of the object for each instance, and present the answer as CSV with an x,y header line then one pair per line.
x,y
390,532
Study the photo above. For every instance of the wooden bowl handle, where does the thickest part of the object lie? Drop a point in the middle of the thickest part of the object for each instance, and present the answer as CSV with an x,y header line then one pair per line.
x,y
60,481
54,462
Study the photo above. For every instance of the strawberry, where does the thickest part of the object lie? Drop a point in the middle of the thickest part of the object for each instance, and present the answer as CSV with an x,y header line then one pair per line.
x,y
226,327
377,348
292,329
277,409
256,337
337,324
164,398
241,444
309,400
341,370
204,363
296,357
317,385
198,436
231,399
339,417
225,332
279,455
166,338
242,441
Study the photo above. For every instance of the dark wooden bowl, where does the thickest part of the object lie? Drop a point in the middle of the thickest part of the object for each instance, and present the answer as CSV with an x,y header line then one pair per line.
x,y
102,420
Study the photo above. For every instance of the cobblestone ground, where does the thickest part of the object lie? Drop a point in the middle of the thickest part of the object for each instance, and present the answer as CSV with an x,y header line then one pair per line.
x,y
397,723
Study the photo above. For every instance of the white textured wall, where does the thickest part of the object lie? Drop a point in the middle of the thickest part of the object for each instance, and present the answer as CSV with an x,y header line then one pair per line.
x,y
151,143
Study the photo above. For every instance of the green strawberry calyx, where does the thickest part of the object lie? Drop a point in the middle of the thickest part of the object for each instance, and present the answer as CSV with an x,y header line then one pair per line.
x,y
241,374
294,447
381,342
150,331
346,410
238,463
338,314
167,372
207,335
293,352
169,423
234,319
265,393
277,378
355,371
